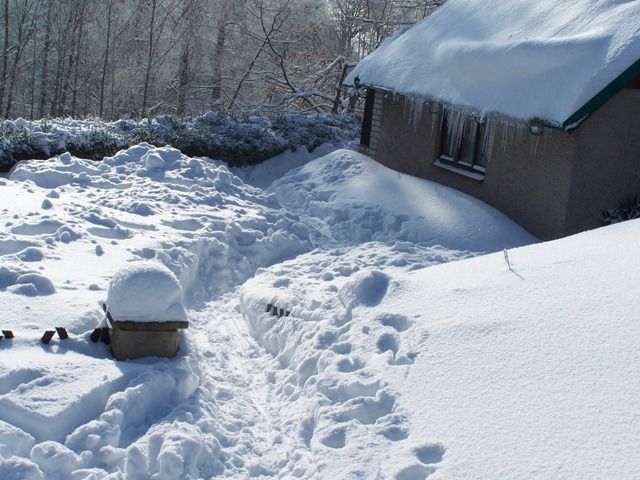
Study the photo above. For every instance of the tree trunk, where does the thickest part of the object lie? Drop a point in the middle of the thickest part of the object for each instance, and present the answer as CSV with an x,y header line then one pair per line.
x,y
45,60
57,100
77,60
183,86
21,42
66,81
106,58
343,75
5,53
147,75
218,62
34,62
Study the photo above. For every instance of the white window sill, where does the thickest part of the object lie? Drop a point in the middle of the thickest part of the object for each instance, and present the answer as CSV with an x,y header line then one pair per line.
x,y
461,171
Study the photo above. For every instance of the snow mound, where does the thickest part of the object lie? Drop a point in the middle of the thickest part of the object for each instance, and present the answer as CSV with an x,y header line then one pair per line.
x,y
26,283
145,291
17,468
32,284
161,158
361,200
31,254
54,458
367,288
14,441
543,59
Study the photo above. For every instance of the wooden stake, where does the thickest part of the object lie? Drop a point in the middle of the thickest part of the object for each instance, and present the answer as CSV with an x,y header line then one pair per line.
x,y
96,334
62,333
104,335
48,335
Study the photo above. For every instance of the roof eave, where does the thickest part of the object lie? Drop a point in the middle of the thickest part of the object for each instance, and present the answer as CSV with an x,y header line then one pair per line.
x,y
606,94
584,112
547,123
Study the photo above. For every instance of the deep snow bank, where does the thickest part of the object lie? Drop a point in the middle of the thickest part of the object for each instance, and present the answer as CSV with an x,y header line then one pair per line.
x,y
360,200
461,370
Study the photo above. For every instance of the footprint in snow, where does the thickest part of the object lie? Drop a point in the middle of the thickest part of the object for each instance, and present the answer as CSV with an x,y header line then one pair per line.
x,y
343,348
388,342
399,323
414,472
395,433
428,455
335,439
44,227
367,410
348,365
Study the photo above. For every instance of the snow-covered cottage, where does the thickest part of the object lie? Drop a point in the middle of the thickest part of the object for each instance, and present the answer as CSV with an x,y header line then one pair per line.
x,y
533,107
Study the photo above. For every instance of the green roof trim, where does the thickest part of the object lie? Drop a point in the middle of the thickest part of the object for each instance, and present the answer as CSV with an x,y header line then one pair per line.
x,y
601,98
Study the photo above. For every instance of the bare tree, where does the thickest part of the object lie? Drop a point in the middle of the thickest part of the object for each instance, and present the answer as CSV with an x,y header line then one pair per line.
x,y
147,73
218,58
5,52
25,26
45,58
119,58
105,64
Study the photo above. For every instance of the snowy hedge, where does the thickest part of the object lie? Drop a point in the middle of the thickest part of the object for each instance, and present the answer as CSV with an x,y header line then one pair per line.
x,y
238,140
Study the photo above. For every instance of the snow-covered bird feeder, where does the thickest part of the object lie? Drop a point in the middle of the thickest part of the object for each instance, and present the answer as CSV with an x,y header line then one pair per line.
x,y
145,310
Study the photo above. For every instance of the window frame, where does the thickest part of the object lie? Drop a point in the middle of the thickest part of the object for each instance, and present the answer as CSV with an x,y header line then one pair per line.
x,y
367,118
450,155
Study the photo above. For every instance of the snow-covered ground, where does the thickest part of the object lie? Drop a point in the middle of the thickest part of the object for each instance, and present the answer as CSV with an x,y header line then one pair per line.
x,y
342,324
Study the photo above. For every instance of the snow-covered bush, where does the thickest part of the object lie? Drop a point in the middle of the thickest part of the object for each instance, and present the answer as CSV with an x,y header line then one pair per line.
x,y
238,139
626,210
314,130
98,143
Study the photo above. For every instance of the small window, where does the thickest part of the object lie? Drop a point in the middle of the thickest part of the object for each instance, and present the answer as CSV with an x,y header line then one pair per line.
x,y
461,145
367,118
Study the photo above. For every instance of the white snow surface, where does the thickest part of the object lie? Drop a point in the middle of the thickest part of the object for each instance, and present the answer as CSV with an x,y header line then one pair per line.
x,y
145,291
522,59
361,200
466,369
340,327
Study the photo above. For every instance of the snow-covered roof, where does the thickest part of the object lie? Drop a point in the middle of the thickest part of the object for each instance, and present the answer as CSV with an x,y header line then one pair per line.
x,y
556,60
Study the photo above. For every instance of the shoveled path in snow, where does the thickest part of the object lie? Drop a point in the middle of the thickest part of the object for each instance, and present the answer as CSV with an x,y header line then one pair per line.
x,y
234,376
